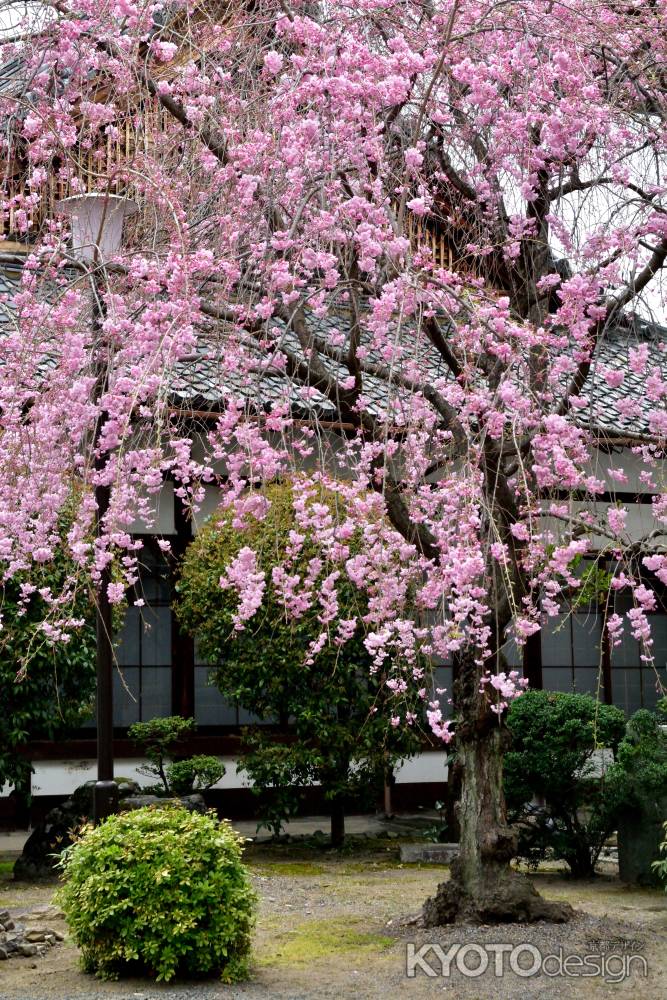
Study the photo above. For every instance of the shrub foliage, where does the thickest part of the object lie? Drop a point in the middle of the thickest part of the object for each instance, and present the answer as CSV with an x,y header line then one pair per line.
x,y
640,772
332,714
162,891
554,759
158,739
661,866
195,774
56,689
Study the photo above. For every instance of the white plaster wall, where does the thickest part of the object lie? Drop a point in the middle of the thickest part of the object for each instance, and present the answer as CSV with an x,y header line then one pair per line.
x,y
207,508
640,521
61,777
162,504
425,767
602,462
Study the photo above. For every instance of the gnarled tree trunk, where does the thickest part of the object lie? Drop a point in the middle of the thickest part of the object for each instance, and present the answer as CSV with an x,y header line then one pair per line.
x,y
483,888
338,821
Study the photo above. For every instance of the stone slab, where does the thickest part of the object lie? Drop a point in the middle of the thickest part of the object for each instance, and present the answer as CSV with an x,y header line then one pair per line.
x,y
435,854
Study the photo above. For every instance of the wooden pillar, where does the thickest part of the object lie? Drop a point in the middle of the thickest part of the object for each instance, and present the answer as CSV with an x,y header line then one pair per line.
x,y
182,645
532,661
606,610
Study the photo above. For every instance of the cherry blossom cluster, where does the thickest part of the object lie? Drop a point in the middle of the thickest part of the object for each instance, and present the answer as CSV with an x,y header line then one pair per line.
x,y
502,688
379,247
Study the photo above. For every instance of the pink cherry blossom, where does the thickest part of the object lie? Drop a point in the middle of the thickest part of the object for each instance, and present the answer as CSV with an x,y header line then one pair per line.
x,y
368,257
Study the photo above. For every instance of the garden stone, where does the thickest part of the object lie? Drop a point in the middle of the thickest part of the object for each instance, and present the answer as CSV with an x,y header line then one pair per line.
x,y
437,854
35,934
44,912
82,797
30,936
139,802
194,802
53,835
3,955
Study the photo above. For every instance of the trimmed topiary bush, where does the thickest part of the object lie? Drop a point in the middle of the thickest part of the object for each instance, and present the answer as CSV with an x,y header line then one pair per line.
x,y
557,783
158,739
161,892
331,714
195,774
640,775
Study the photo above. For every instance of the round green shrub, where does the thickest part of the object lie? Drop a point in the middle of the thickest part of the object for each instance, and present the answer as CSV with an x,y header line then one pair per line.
x,y
196,774
161,891
554,758
333,712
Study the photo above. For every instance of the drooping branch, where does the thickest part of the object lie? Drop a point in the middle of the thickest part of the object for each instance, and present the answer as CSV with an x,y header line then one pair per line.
x,y
638,284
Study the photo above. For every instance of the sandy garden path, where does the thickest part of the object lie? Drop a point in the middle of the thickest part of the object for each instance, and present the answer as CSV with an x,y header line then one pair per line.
x,y
339,927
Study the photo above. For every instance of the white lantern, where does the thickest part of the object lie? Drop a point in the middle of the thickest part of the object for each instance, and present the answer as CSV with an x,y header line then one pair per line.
x,y
97,223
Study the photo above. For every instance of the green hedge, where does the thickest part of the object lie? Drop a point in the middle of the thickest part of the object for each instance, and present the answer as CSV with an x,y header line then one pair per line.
x,y
57,691
553,759
160,891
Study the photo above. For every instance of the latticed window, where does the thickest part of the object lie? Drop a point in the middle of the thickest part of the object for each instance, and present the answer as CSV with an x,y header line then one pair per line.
x,y
572,652
142,682
634,682
211,709
577,655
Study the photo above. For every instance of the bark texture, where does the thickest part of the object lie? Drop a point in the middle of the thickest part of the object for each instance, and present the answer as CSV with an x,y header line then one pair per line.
x,y
483,888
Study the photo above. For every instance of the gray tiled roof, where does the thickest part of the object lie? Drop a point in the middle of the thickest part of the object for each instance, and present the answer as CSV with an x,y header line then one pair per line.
x,y
612,354
198,382
10,277
202,382
12,77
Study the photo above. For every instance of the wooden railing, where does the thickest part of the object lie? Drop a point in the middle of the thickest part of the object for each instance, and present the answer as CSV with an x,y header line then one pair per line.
x,y
107,167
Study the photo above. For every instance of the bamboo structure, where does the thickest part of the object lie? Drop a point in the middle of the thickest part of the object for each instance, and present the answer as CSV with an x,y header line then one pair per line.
x,y
423,236
106,166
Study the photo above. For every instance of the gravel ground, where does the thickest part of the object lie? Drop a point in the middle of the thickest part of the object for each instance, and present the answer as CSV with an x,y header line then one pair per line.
x,y
340,928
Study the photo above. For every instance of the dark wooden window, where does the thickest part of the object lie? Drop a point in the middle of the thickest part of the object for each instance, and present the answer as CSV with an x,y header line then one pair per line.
x,y
635,682
142,680
576,654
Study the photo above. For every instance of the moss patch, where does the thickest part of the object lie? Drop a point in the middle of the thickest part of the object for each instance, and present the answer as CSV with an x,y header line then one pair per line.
x,y
319,850
338,867
388,864
289,869
314,940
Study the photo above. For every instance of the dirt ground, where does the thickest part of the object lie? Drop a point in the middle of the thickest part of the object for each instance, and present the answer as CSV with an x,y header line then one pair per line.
x,y
339,927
